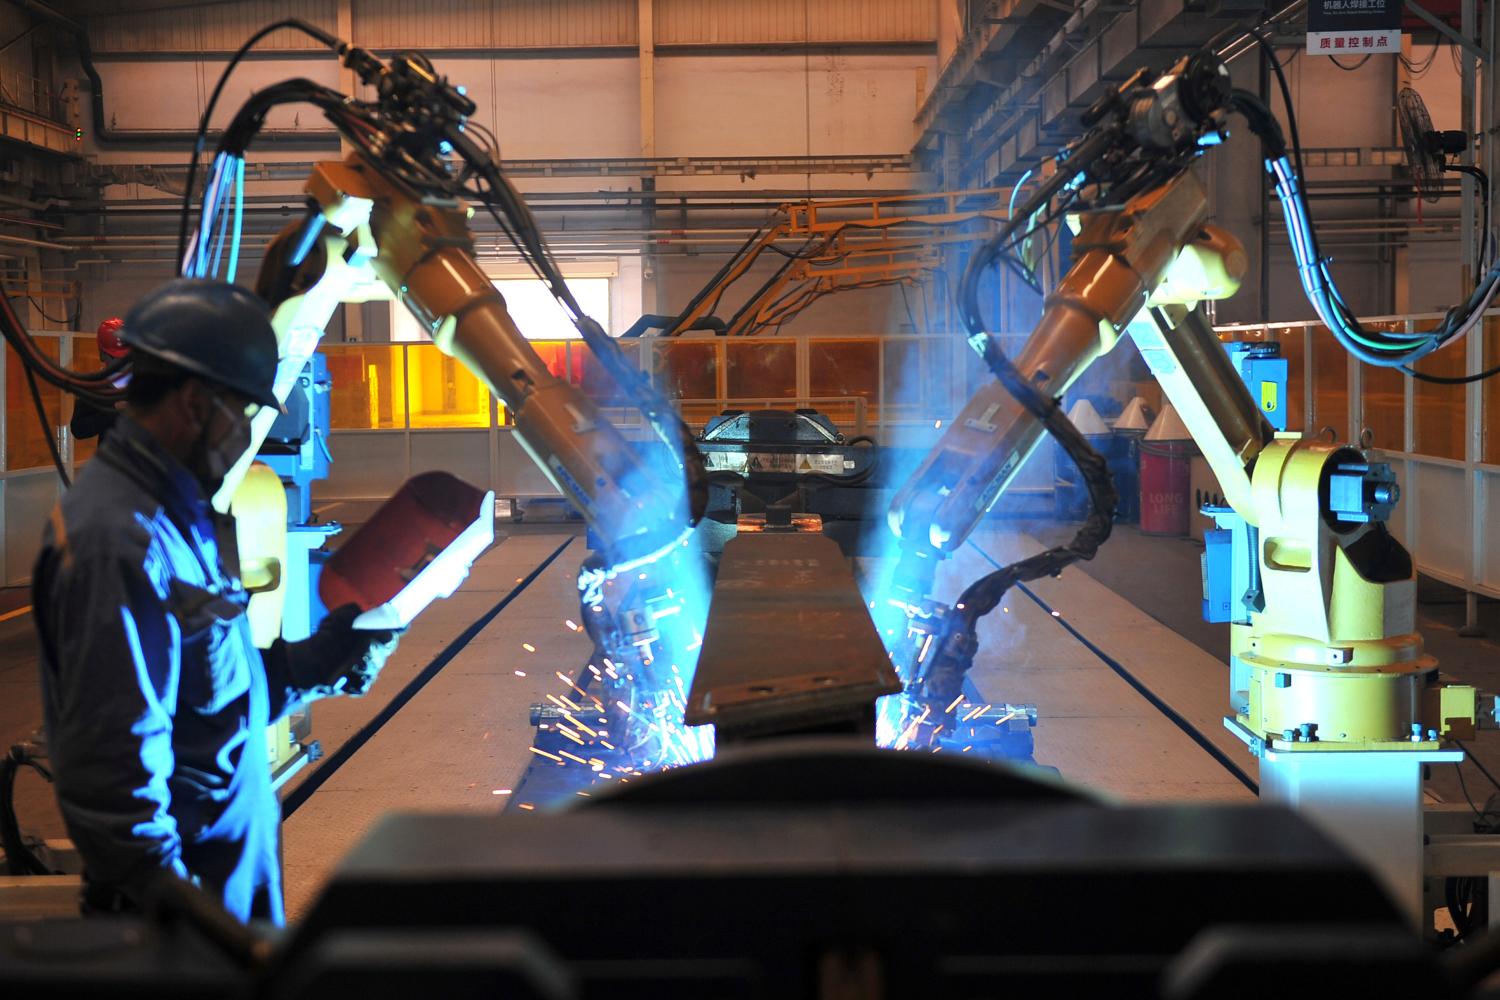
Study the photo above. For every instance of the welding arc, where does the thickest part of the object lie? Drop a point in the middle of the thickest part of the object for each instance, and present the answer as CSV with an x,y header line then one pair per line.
x,y
340,757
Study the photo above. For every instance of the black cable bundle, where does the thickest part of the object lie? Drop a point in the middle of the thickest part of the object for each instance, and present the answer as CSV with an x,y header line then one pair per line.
x,y
942,681
19,860
1373,347
410,131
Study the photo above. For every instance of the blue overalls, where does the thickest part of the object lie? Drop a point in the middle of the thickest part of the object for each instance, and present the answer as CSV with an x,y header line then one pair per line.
x,y
156,699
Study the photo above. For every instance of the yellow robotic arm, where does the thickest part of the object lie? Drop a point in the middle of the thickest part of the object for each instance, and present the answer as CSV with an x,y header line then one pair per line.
x,y
388,221
419,251
1330,657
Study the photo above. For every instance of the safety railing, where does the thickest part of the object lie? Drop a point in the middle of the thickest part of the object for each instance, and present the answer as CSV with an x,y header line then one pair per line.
x,y
27,93
865,384
402,408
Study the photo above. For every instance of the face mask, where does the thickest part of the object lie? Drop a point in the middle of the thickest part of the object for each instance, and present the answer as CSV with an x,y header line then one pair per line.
x,y
212,462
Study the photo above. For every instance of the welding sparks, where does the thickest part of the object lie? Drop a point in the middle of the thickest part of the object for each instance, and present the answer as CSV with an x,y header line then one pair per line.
x,y
528,647
572,625
501,791
542,753
578,725
520,673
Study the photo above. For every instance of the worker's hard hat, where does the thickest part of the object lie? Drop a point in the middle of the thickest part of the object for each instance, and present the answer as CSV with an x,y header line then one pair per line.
x,y
216,330
108,335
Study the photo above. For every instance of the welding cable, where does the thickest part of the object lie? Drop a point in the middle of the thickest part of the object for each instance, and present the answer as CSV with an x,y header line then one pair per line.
x,y
47,430
295,24
945,672
63,324
239,219
194,261
1377,348
223,221
19,858
519,224
93,386
379,132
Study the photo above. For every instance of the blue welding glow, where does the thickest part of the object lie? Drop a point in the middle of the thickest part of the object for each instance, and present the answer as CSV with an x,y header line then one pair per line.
x,y
648,612
903,588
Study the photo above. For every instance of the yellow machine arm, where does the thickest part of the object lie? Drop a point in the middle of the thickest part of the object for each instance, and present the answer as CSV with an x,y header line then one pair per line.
x,y
845,244
1330,658
372,233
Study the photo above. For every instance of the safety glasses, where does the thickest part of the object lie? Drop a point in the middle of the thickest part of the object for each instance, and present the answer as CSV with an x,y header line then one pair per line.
x,y
247,412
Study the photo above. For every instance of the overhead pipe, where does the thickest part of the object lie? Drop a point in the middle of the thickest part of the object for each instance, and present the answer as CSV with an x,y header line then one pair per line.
x,y
28,242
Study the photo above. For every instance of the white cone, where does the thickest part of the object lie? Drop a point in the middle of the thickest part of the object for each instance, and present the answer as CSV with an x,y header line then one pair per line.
x,y
1137,417
1168,426
1087,419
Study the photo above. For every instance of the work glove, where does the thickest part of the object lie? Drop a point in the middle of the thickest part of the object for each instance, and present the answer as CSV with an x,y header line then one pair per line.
x,y
338,658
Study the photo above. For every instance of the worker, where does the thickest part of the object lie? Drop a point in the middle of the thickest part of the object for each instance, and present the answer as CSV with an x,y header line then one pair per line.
x,y
156,701
91,419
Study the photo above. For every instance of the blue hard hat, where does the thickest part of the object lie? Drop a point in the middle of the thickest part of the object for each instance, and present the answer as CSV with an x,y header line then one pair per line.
x,y
218,331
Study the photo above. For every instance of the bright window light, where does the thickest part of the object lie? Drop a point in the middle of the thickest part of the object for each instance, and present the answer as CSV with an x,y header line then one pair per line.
x,y
535,311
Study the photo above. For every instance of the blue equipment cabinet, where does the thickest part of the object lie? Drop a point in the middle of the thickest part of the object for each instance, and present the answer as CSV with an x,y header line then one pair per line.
x,y
1264,370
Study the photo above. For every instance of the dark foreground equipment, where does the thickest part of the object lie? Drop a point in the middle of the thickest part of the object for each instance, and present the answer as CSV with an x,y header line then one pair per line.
x,y
795,869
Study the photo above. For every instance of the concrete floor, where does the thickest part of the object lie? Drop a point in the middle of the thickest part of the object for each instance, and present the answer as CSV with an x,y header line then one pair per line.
x,y
461,741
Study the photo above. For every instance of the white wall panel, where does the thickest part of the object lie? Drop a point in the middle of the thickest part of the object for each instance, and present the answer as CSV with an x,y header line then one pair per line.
x,y
565,23
866,103
207,27
554,108
391,24
1442,541
1488,555
743,105
366,465
770,22
170,94
463,452
515,473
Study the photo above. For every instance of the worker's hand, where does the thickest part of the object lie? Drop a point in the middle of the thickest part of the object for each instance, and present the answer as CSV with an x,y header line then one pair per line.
x,y
346,660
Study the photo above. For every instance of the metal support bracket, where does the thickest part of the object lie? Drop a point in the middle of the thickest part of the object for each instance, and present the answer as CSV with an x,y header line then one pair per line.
x,y
1443,28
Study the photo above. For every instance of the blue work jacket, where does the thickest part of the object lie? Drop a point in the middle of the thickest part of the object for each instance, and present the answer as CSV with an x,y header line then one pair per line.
x,y
156,699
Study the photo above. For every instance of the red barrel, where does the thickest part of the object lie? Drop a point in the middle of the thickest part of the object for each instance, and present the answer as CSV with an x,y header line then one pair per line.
x,y
1166,471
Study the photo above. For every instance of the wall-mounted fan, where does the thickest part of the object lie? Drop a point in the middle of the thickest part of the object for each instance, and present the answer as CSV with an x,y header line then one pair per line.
x,y
1427,149
1429,153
